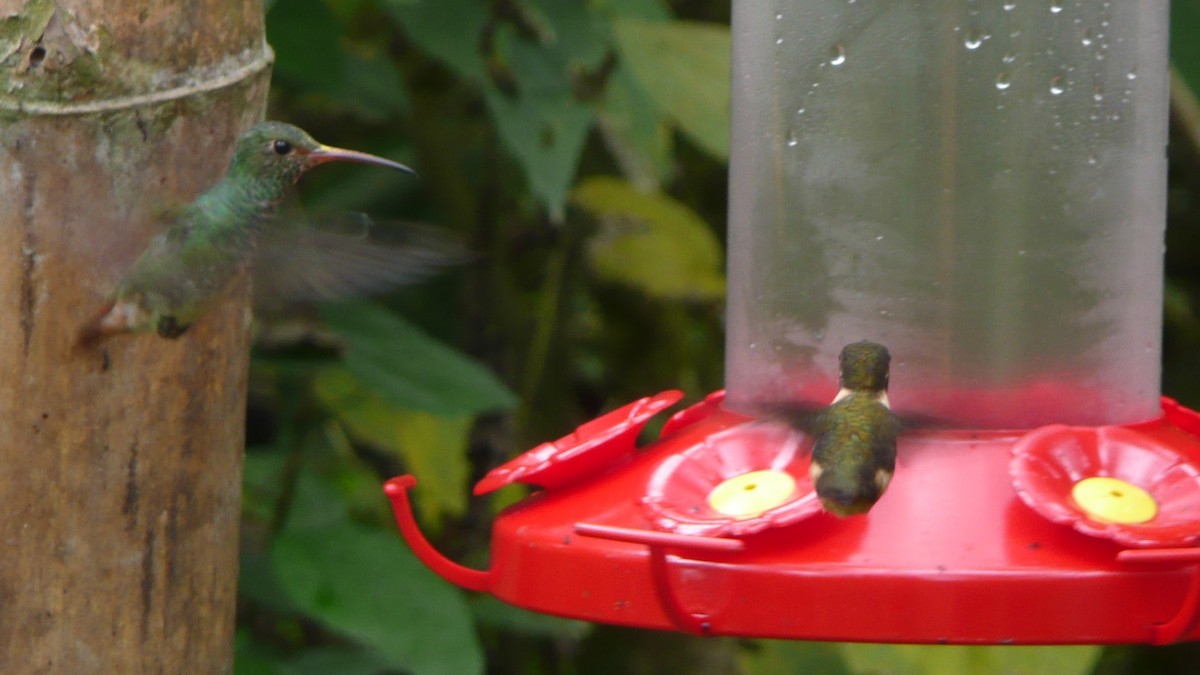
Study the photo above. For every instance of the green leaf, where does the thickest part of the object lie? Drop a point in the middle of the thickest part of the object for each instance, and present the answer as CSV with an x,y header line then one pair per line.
x,y
954,660
410,369
372,86
574,36
635,132
362,582
781,657
253,657
1177,310
1185,41
651,242
652,10
537,116
258,584
541,121
685,67
261,472
432,447
304,35
545,130
311,57
336,660
448,30
316,503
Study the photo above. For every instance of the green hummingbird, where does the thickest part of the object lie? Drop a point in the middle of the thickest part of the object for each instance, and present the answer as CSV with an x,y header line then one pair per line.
x,y
237,224
854,439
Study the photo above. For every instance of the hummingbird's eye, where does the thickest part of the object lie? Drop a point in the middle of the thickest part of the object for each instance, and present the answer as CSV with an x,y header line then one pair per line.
x,y
281,147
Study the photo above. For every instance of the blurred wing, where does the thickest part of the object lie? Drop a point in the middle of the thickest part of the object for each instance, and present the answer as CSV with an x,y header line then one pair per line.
x,y
910,421
800,415
344,255
806,416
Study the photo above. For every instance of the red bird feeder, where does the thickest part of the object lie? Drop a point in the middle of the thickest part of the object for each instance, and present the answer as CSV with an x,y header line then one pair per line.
x,y
983,193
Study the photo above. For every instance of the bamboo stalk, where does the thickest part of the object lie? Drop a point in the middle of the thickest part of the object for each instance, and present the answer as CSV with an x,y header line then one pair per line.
x,y
120,488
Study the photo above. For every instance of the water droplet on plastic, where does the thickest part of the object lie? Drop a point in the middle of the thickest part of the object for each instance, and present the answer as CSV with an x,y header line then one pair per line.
x,y
800,110
837,55
1009,57
1098,93
778,41
1131,75
792,141
879,237
1056,7
779,16
1003,80
974,39
1092,159
1056,86
1010,6
1022,252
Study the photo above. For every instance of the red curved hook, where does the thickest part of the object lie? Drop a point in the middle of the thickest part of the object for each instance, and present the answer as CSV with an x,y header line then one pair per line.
x,y
1188,614
660,568
471,579
684,619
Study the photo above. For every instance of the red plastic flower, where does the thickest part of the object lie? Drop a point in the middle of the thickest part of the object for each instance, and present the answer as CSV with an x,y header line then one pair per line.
x,y
591,448
1050,463
685,494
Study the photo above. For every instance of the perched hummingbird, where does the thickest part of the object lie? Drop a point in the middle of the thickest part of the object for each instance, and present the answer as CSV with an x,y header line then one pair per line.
x,y
854,437
235,224
854,446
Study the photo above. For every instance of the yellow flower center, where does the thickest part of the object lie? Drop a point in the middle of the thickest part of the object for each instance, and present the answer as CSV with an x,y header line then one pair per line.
x,y
1111,500
752,493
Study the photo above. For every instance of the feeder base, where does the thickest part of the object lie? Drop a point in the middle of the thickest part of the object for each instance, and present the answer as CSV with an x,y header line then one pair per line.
x,y
948,555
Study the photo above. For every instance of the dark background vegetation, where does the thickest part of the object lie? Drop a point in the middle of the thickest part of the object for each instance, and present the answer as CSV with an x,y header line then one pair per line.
x,y
581,146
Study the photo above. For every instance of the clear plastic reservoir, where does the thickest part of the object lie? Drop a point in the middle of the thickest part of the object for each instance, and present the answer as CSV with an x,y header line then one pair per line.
x,y
977,184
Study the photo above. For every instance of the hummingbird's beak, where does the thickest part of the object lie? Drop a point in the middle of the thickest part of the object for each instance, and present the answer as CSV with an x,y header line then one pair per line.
x,y
325,153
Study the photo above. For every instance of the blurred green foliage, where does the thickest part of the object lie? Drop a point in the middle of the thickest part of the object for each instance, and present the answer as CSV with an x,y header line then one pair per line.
x,y
580,145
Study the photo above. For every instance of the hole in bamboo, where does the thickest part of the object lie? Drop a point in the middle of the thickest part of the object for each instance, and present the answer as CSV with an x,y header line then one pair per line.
x,y
36,56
